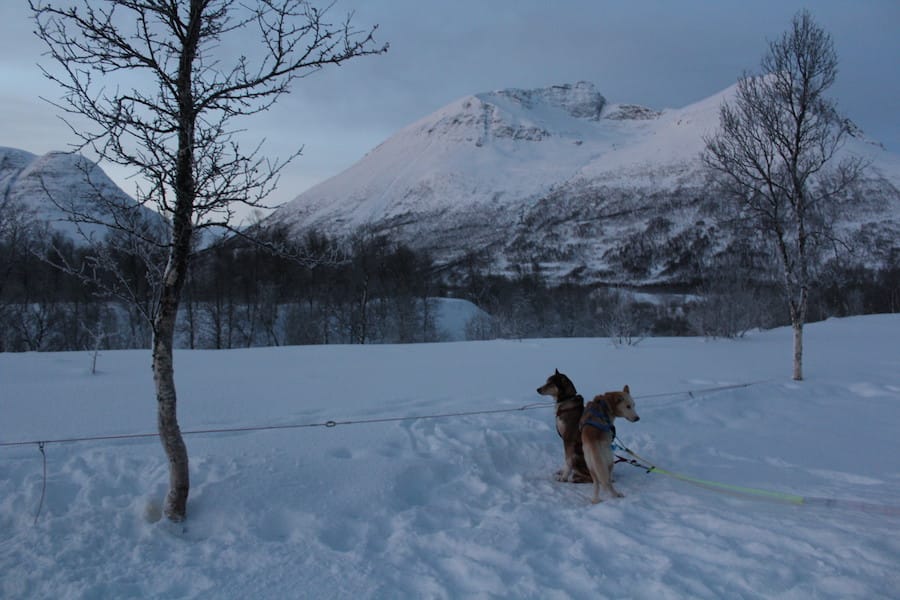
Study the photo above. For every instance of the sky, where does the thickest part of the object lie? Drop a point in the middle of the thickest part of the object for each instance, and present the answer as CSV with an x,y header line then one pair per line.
x,y
658,53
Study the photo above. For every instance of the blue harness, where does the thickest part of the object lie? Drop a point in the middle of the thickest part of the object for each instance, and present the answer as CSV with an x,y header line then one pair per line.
x,y
600,421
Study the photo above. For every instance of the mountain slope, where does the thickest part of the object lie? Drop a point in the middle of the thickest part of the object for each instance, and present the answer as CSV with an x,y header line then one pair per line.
x,y
52,189
554,176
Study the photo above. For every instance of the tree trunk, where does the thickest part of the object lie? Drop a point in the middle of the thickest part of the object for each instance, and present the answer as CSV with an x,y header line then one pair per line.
x,y
174,277
163,363
798,350
167,419
796,291
362,332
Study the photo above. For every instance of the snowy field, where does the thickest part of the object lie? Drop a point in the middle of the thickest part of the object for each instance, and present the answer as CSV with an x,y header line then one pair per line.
x,y
465,506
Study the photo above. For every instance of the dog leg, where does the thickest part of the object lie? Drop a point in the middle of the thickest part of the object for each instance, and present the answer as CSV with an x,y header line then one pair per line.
x,y
609,478
600,465
607,485
564,474
611,489
592,458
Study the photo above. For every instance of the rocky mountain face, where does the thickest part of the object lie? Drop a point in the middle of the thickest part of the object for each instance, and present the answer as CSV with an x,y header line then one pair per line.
x,y
561,179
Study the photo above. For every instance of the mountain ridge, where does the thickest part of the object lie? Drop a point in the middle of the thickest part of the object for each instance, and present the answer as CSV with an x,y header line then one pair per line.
x,y
556,176
55,187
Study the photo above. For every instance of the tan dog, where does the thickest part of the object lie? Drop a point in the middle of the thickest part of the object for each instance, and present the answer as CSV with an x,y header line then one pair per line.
x,y
598,433
569,407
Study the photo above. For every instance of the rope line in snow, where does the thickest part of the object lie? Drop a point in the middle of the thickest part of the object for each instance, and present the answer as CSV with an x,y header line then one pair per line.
x,y
692,393
757,493
335,423
328,424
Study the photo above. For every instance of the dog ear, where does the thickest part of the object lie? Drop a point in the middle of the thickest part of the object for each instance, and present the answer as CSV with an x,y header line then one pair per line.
x,y
626,390
556,371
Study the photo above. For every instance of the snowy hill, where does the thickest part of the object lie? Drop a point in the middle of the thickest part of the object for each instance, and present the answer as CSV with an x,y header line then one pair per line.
x,y
557,176
461,506
50,188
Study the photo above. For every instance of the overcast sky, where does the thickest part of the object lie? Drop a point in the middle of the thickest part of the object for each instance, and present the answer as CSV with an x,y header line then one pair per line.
x,y
659,53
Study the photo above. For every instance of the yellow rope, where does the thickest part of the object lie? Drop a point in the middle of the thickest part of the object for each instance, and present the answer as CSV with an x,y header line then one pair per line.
x,y
719,486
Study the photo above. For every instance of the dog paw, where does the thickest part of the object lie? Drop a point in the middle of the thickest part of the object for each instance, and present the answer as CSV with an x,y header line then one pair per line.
x,y
619,495
596,500
563,475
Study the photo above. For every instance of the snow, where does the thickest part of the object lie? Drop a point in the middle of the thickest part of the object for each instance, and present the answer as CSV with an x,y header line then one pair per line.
x,y
453,316
461,506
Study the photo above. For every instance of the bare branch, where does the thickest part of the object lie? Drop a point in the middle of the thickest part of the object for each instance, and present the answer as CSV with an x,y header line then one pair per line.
x,y
173,126
774,155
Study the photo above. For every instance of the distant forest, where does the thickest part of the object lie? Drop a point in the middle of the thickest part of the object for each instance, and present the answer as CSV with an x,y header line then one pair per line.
x,y
368,289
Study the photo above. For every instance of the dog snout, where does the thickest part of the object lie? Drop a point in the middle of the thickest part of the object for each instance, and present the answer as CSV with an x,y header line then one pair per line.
x,y
636,418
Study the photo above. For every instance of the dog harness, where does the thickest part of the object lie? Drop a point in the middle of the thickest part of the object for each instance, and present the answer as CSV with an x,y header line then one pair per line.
x,y
599,420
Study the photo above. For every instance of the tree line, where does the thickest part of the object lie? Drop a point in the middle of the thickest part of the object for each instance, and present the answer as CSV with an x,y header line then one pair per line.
x,y
370,289
237,293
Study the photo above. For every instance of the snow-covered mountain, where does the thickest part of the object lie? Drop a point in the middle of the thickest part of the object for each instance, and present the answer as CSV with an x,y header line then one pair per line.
x,y
559,177
53,188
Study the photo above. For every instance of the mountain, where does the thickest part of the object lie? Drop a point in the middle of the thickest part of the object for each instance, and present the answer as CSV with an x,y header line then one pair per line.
x,y
558,177
52,188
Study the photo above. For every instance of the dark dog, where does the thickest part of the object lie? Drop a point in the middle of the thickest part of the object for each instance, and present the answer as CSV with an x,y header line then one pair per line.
x,y
569,407
598,432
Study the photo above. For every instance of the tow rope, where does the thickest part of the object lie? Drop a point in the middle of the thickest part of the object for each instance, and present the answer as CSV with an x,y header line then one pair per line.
x,y
743,491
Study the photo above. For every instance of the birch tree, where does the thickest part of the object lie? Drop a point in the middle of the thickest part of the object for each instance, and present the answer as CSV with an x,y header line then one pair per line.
x,y
159,84
775,155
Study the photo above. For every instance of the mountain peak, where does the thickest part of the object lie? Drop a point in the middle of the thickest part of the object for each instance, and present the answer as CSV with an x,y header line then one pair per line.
x,y
553,175
55,187
580,100
516,114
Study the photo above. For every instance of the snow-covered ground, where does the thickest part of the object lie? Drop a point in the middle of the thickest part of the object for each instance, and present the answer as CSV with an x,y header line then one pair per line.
x,y
461,506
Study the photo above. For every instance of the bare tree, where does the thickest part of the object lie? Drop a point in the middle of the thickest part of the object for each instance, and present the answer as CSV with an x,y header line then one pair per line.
x,y
156,83
619,318
772,153
16,236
